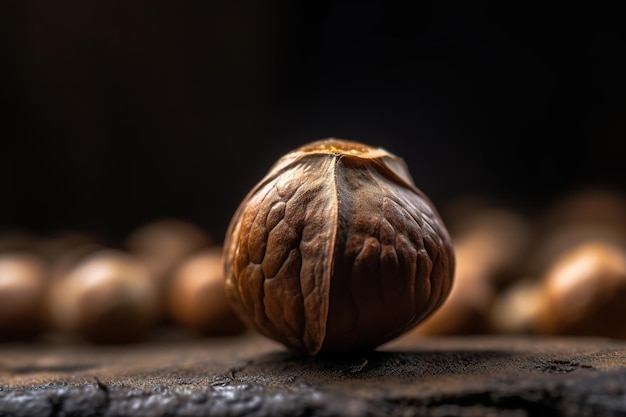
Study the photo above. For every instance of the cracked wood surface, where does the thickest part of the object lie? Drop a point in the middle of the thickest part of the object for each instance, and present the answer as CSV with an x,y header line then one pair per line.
x,y
251,375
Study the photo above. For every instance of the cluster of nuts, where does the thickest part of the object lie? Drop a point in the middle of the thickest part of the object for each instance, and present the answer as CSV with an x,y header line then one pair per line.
x,y
336,248
167,273
559,271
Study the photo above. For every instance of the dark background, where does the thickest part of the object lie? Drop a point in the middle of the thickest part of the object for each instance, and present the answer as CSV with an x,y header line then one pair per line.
x,y
119,112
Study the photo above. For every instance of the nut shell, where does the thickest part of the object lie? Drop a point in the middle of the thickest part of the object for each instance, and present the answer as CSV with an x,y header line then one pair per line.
x,y
337,249
108,297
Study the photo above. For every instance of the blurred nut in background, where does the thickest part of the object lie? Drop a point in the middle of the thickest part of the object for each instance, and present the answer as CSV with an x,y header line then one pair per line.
x,y
22,291
584,292
577,242
108,297
197,296
162,245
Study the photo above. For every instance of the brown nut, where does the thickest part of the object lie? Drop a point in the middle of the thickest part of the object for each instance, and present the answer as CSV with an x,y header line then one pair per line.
x,y
22,290
162,244
108,297
337,249
584,292
196,296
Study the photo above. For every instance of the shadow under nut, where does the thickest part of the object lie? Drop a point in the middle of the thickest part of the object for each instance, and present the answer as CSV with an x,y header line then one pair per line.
x,y
336,249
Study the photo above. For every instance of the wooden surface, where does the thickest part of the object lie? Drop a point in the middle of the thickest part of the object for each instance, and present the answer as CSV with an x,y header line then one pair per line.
x,y
250,375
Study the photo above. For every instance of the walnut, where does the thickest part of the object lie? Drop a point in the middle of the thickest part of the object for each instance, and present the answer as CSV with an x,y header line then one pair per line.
x,y
337,249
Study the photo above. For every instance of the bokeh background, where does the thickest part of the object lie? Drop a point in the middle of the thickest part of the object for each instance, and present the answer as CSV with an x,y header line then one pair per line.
x,y
119,112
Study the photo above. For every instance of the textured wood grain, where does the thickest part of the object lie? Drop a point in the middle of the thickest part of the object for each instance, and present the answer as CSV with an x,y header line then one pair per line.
x,y
250,375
